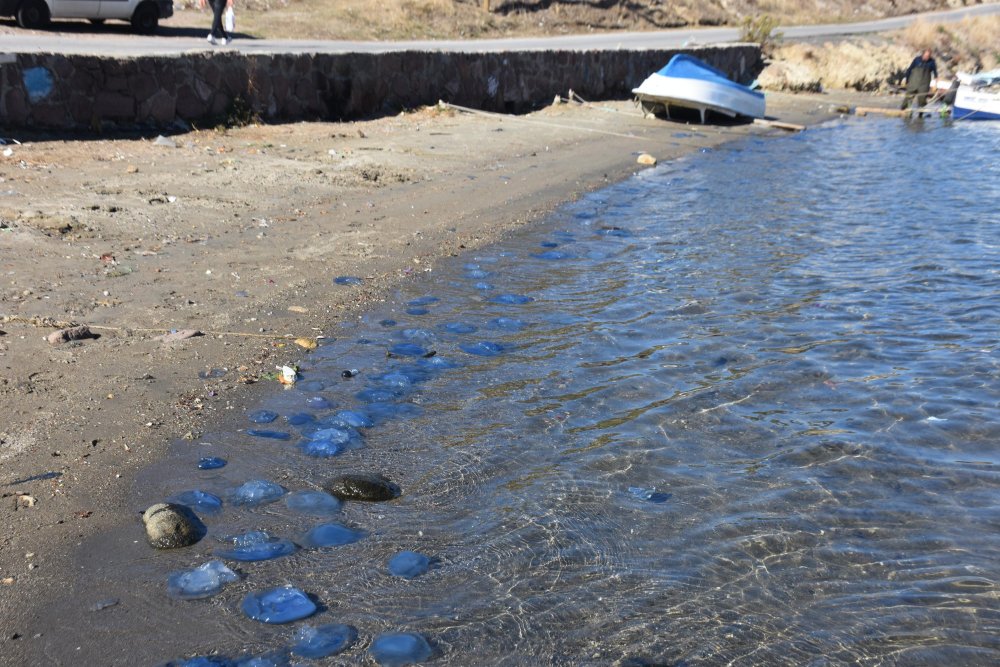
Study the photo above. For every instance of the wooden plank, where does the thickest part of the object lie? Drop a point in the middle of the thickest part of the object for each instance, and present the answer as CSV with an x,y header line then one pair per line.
x,y
781,125
864,111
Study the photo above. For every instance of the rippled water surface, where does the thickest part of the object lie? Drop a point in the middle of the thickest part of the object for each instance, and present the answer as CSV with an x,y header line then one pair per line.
x,y
751,416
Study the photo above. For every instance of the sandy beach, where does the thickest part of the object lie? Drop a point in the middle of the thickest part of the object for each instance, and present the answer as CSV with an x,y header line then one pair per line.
x,y
239,234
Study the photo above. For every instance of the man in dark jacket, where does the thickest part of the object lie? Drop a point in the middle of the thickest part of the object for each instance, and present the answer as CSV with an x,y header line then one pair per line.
x,y
918,79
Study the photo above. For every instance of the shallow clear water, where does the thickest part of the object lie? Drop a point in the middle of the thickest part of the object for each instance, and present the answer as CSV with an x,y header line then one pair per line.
x,y
752,417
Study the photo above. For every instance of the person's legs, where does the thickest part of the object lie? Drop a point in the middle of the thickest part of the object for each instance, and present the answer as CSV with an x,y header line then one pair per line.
x,y
218,7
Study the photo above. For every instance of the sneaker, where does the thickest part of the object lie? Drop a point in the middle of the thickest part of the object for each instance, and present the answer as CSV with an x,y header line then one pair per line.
x,y
211,40
222,41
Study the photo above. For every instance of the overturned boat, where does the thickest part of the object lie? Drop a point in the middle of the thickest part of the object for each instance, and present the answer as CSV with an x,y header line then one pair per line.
x,y
978,97
688,82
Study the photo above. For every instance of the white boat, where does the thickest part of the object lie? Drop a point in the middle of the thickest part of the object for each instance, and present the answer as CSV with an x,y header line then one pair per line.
x,y
688,82
978,96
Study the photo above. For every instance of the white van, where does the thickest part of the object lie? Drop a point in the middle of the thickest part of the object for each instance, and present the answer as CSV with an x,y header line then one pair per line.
x,y
144,15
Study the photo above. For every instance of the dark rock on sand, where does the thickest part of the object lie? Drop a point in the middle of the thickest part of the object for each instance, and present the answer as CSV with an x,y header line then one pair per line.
x,y
370,487
170,526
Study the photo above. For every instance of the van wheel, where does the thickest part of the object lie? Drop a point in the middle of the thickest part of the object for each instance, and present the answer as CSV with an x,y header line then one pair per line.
x,y
96,21
33,14
146,18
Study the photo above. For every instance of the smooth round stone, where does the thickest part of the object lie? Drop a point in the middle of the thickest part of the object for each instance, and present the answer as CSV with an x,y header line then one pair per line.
x,y
211,374
201,582
400,648
323,640
423,301
257,492
319,403
211,463
270,435
170,526
347,280
368,487
484,348
512,299
283,604
300,419
257,546
201,501
330,535
409,564
316,503
459,328
262,416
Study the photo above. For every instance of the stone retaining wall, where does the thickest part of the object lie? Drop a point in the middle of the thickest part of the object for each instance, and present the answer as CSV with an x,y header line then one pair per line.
x,y
54,91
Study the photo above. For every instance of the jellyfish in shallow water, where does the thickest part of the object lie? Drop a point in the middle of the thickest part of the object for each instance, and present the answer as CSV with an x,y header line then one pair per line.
x,y
270,435
256,492
330,535
347,280
387,323
458,327
507,324
415,333
409,564
376,395
315,503
255,546
484,286
275,658
319,403
201,661
649,495
262,416
552,255
211,463
351,418
300,419
200,501
417,311
321,641
423,301
283,604
400,648
327,442
483,348
477,274
407,350
201,582
512,299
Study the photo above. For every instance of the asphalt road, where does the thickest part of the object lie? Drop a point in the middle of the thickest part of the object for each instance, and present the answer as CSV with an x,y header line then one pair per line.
x,y
116,40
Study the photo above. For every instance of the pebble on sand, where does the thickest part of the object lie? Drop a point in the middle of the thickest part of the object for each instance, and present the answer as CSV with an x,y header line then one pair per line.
x,y
170,526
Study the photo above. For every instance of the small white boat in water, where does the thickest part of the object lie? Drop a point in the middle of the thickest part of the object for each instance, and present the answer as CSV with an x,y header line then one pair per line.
x,y
688,82
978,97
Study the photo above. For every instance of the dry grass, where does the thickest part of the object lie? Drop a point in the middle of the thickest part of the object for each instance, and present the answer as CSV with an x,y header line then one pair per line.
x,y
971,44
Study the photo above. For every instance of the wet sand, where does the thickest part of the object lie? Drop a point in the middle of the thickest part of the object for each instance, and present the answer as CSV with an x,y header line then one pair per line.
x,y
238,234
